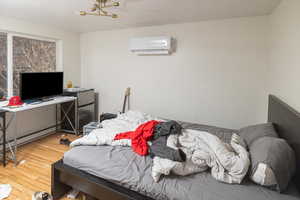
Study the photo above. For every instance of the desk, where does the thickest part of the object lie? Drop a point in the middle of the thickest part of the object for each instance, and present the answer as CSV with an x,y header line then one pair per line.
x,y
56,101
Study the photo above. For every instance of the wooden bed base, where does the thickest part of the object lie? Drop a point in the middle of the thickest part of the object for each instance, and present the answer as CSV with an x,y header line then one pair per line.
x,y
64,178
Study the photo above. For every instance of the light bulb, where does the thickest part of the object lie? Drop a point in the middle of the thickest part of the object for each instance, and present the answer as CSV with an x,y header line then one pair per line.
x,y
82,13
116,4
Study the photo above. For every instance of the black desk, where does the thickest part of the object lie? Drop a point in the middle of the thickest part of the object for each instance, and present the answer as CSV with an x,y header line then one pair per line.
x,y
3,130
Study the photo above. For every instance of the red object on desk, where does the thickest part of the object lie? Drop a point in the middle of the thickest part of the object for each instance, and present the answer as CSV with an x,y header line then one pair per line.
x,y
15,101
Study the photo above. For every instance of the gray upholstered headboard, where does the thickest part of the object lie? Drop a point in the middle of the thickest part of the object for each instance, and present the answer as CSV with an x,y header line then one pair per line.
x,y
287,124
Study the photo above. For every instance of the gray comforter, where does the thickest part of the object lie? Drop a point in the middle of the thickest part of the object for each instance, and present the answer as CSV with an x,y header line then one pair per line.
x,y
121,166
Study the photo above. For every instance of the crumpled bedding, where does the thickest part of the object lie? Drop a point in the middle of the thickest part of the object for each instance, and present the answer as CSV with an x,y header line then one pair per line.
x,y
140,137
228,163
204,150
128,121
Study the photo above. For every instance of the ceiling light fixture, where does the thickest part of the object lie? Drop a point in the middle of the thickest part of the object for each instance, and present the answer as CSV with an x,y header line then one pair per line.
x,y
98,9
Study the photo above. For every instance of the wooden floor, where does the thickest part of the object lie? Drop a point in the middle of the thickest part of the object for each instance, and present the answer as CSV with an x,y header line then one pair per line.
x,y
35,173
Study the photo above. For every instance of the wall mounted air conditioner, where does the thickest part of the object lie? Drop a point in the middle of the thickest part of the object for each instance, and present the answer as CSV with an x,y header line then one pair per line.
x,y
151,45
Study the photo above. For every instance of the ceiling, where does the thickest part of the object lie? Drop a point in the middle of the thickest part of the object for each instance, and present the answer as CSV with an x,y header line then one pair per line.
x,y
133,13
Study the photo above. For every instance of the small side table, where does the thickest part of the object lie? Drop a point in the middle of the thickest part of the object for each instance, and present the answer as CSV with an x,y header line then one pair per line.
x,y
87,129
85,110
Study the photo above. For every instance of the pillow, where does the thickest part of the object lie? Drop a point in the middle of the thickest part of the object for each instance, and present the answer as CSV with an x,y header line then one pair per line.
x,y
252,133
273,163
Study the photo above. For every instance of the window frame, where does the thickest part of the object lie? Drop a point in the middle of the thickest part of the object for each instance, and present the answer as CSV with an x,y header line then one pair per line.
x,y
10,67
5,33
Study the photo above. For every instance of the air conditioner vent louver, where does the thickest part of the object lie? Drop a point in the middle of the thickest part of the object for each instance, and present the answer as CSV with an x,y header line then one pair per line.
x,y
151,45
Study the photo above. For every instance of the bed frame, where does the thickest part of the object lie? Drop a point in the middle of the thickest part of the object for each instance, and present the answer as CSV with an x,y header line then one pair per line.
x,y
287,124
64,177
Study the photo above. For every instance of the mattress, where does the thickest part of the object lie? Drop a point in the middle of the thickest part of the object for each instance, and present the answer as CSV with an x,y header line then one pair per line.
x,y
122,166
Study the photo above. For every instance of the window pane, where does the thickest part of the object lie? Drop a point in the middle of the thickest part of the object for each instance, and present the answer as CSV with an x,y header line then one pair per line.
x,y
31,55
3,64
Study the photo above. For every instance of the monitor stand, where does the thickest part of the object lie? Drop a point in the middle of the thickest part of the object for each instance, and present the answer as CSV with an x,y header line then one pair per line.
x,y
33,101
47,99
38,101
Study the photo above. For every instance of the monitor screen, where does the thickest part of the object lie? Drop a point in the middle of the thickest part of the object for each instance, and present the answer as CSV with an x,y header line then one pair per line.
x,y
40,85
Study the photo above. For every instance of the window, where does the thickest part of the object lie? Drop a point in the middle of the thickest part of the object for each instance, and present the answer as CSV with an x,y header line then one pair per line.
x,y
30,55
3,63
25,55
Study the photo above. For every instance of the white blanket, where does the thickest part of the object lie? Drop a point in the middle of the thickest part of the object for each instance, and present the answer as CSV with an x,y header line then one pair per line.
x,y
228,163
105,136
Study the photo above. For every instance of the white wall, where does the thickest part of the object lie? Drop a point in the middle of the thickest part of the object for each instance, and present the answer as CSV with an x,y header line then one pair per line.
x,y
217,75
70,42
30,121
284,67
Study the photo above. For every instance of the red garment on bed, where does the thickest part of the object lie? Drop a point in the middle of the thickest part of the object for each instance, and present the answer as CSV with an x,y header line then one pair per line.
x,y
139,137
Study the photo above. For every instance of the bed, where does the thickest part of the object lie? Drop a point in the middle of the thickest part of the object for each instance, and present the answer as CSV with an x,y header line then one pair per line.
x,y
106,172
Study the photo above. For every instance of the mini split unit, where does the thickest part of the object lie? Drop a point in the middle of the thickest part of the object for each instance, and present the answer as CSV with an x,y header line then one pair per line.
x,y
151,45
